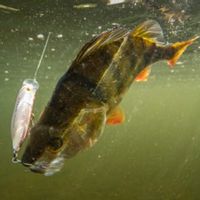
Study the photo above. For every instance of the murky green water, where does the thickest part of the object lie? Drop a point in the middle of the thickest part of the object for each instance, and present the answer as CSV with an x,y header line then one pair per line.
x,y
155,154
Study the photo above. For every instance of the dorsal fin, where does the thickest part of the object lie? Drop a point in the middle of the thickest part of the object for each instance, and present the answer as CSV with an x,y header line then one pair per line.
x,y
88,46
115,34
149,30
103,39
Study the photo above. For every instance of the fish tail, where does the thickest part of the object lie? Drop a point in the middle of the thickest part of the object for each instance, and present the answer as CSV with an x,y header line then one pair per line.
x,y
174,51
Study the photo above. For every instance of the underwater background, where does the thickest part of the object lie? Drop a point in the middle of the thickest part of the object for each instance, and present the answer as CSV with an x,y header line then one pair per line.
x,y
155,153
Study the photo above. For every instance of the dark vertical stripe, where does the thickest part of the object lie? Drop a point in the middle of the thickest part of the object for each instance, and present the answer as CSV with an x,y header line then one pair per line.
x,y
85,83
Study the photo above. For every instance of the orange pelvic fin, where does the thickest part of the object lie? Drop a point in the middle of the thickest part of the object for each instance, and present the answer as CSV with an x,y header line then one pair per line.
x,y
180,47
116,116
144,74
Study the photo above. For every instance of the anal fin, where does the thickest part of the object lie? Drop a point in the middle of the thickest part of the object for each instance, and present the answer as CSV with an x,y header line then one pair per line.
x,y
144,74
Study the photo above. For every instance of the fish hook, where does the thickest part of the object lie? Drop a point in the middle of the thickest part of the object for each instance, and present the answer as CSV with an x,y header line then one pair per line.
x,y
15,159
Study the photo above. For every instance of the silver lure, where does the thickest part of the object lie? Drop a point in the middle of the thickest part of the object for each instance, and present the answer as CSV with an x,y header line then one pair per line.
x,y
22,114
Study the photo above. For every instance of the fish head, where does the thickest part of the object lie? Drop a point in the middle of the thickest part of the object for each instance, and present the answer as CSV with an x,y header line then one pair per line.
x,y
48,146
43,152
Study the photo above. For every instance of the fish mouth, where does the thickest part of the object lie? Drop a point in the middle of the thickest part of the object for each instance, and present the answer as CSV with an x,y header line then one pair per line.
x,y
45,167
37,167
46,163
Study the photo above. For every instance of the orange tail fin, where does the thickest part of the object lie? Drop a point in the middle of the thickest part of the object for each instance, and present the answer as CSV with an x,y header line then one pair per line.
x,y
180,47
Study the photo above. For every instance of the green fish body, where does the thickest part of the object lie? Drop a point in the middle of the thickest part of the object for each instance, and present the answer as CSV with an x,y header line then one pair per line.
x,y
88,94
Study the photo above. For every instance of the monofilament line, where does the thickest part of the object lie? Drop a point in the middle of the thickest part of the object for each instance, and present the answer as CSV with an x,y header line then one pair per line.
x,y
42,55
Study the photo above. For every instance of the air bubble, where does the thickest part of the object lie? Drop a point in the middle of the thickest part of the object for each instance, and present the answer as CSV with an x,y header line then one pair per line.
x,y
40,36
59,36
30,39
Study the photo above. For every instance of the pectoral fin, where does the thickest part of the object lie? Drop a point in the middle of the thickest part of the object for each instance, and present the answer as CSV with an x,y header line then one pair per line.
x,y
144,74
116,116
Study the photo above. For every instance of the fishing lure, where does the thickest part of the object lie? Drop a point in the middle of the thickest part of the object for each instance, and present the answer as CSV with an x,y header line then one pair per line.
x,y
22,114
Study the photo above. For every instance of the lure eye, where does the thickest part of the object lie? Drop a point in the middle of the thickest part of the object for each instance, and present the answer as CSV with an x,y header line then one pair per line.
x,y
55,143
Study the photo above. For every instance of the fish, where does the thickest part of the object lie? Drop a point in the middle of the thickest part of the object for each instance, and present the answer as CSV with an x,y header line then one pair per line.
x,y
88,96
173,16
22,114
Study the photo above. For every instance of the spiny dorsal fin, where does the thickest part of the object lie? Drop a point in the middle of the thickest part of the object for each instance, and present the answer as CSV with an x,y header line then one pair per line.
x,y
149,30
116,34
85,48
103,39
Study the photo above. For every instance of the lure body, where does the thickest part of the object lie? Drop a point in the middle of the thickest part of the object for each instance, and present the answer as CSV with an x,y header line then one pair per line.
x,y
22,114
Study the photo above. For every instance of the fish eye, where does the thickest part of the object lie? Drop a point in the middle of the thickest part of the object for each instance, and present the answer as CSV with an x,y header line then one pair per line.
x,y
28,89
55,143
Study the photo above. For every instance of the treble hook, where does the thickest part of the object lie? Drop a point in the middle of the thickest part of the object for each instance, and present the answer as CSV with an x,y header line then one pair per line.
x,y
15,159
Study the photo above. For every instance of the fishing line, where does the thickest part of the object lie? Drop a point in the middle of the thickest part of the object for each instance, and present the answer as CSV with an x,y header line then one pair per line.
x,y
41,57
